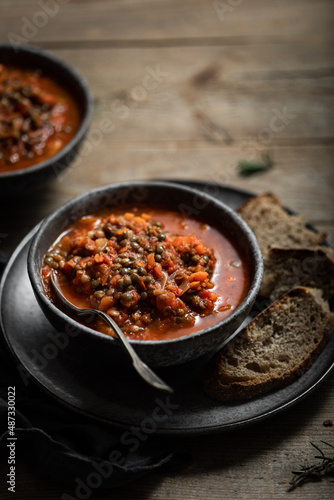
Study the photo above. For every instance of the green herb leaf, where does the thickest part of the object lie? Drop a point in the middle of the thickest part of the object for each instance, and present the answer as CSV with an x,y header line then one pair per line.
x,y
314,472
250,167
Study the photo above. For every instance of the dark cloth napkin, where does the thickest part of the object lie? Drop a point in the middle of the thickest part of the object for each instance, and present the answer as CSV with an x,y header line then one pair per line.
x,y
66,447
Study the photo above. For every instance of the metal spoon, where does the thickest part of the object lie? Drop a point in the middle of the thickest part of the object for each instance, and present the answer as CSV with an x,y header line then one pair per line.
x,y
144,371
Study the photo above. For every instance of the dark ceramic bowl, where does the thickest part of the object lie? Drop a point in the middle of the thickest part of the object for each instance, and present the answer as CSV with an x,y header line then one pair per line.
x,y
161,194
27,57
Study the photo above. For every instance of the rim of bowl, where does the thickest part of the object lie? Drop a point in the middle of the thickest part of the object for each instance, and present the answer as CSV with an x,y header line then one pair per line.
x,y
86,118
254,246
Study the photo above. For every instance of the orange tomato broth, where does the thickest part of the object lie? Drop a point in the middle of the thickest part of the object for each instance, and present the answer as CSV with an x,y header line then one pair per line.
x,y
230,277
38,117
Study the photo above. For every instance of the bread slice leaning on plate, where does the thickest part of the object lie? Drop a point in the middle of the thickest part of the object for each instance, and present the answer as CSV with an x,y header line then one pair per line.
x,y
275,348
273,226
292,253
286,268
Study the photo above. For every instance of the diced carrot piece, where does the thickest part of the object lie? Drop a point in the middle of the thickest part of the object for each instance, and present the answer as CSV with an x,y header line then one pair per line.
x,y
71,263
115,279
182,243
105,271
129,216
112,219
199,276
106,303
150,261
224,307
157,272
140,221
107,260
194,284
206,294
89,244
200,249
99,258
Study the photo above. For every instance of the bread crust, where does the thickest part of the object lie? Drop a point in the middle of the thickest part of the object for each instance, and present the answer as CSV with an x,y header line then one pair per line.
x,y
258,200
269,205
320,274
270,221
243,390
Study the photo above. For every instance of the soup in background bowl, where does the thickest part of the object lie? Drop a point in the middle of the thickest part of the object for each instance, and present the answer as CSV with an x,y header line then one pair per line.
x,y
38,117
45,110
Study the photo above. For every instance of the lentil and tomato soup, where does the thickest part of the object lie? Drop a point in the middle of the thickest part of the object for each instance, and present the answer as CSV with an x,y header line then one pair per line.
x,y
158,274
37,118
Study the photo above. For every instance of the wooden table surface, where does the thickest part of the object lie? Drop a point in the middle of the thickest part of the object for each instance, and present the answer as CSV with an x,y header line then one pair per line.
x,y
193,87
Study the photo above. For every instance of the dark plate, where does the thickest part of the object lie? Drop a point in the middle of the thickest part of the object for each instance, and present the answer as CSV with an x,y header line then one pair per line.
x,y
88,382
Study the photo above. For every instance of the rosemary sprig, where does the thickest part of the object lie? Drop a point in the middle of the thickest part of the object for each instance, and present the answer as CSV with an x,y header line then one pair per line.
x,y
248,167
314,472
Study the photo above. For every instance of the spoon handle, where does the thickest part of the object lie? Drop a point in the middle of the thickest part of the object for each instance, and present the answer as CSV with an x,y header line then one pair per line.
x,y
143,370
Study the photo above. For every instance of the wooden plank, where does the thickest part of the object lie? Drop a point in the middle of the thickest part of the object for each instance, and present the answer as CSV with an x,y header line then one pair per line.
x,y
229,67
221,94
207,113
309,167
302,177
167,21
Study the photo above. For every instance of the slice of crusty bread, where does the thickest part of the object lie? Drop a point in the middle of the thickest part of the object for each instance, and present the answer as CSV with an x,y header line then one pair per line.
x,y
286,268
278,346
274,227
